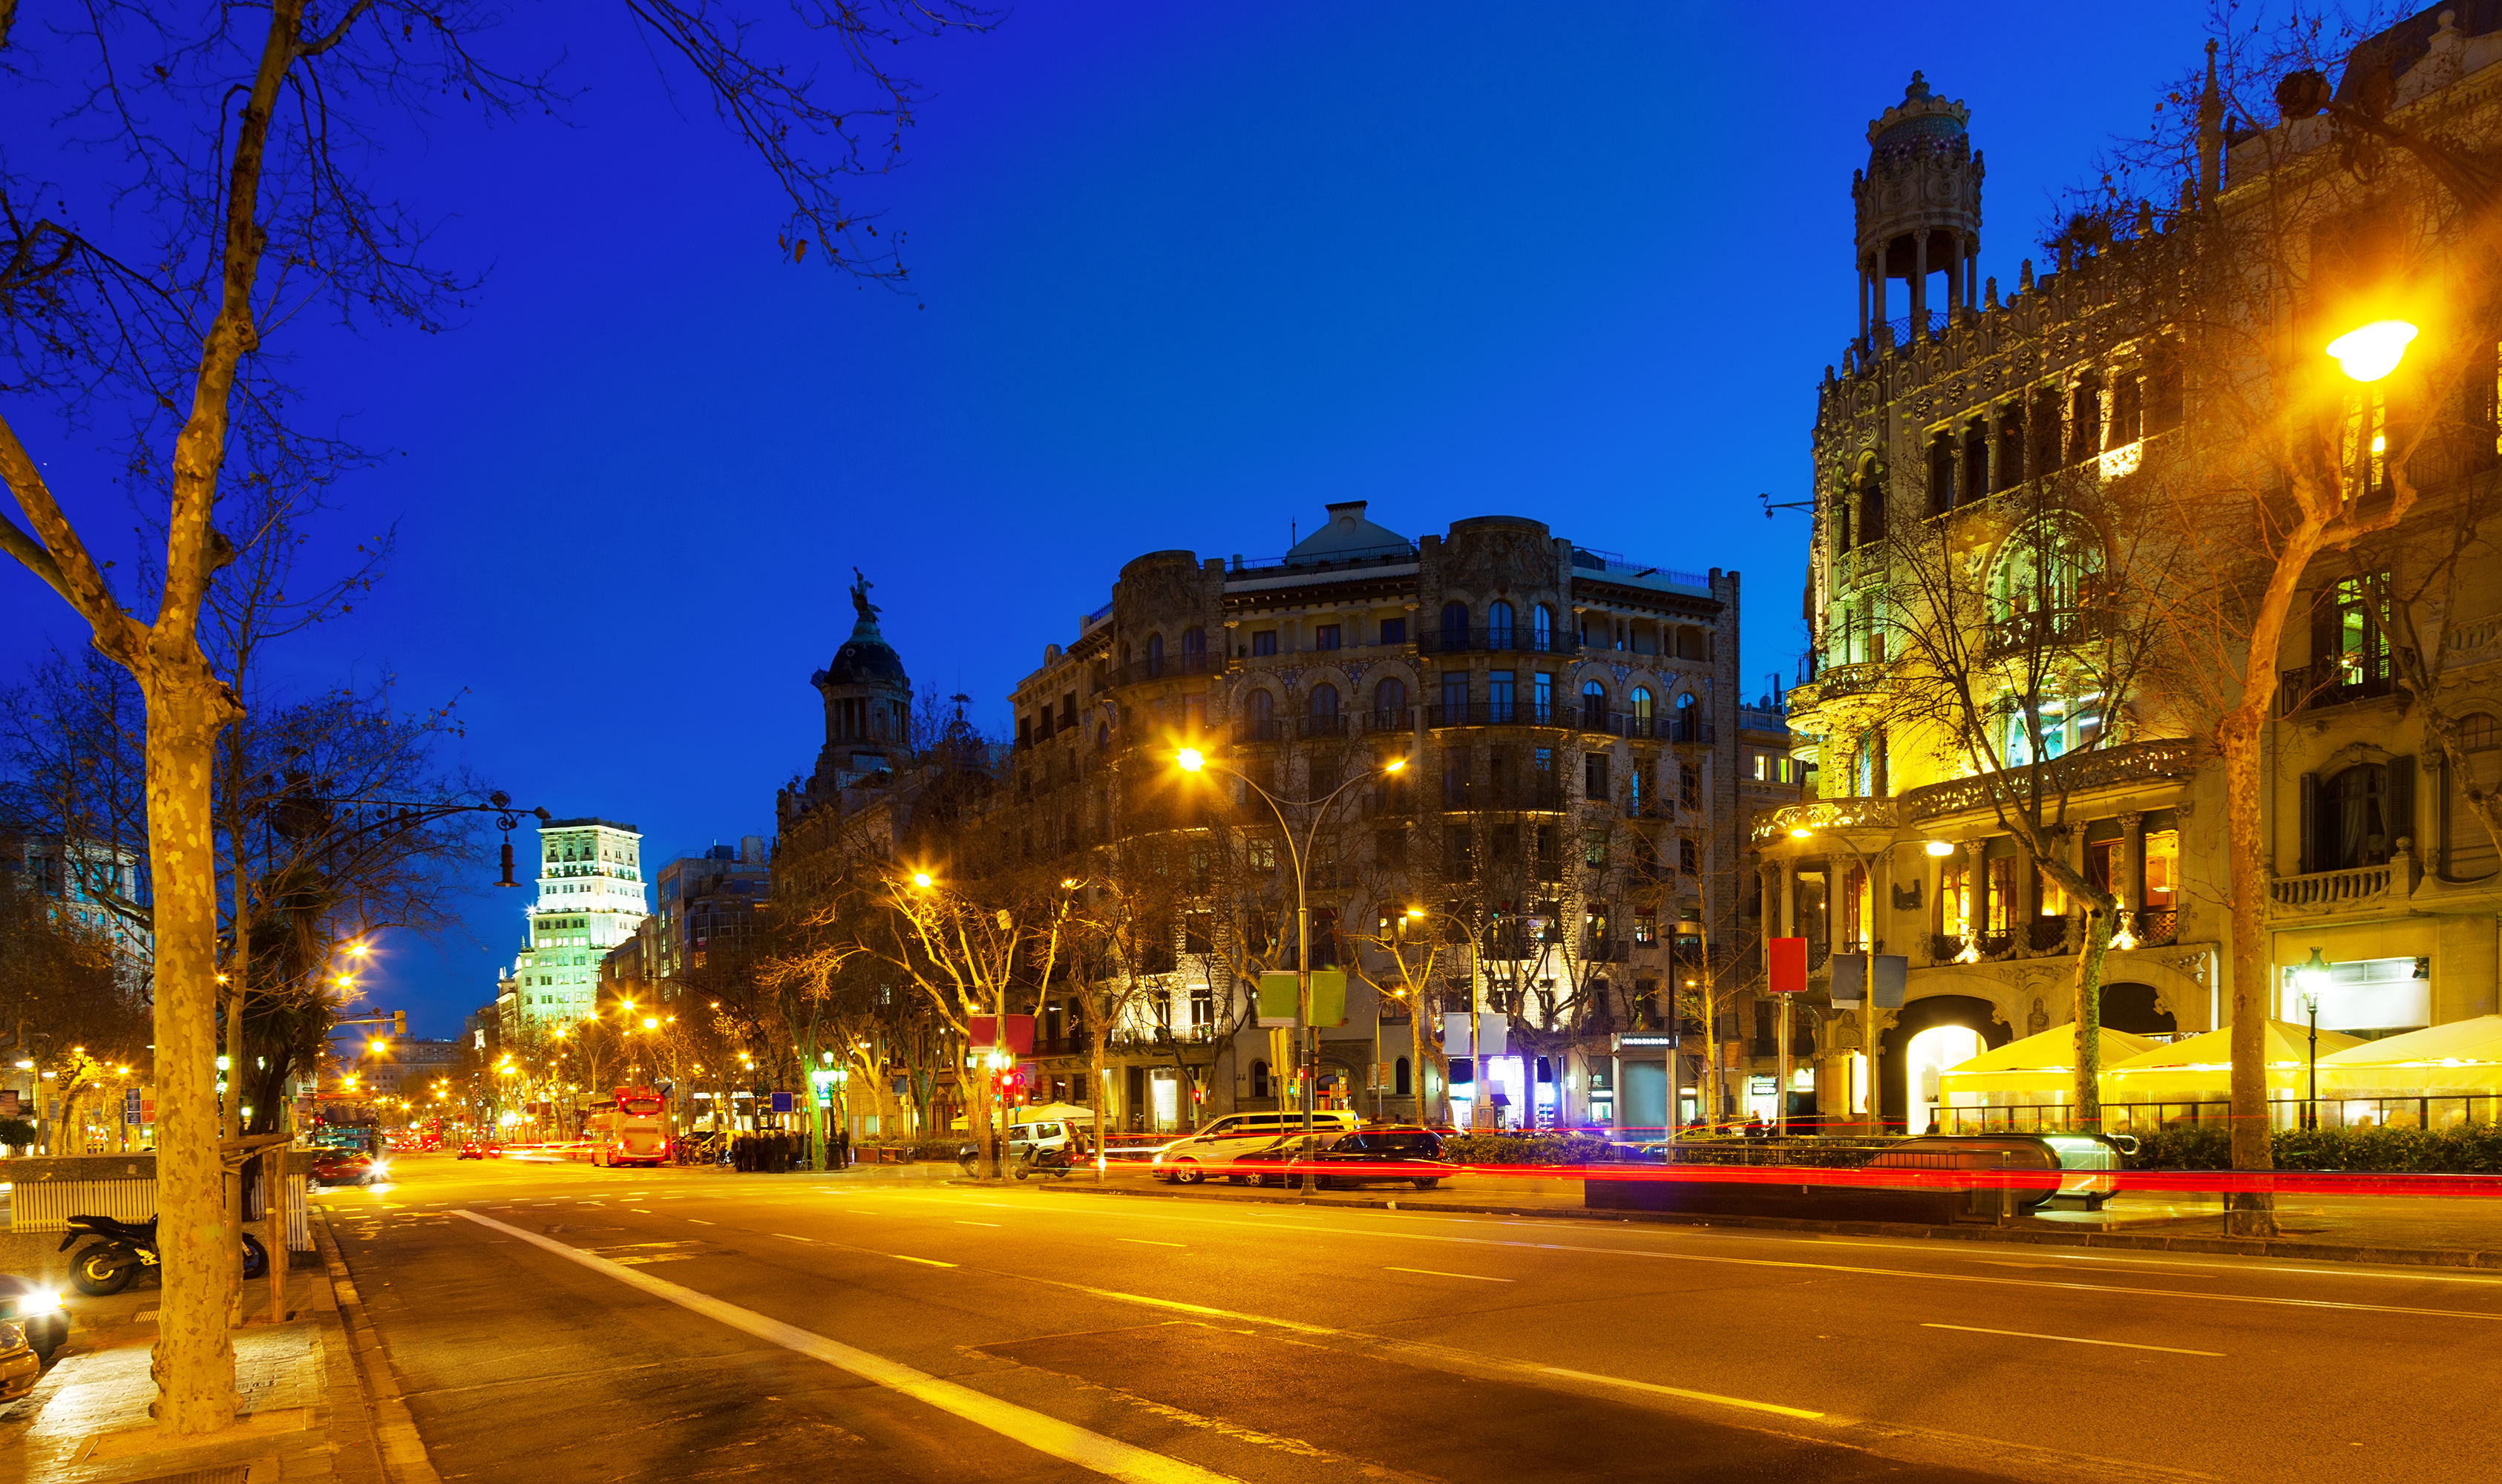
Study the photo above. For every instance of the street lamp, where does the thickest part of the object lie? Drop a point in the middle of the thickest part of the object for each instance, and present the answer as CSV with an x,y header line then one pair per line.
x,y
1191,759
2370,352
2312,979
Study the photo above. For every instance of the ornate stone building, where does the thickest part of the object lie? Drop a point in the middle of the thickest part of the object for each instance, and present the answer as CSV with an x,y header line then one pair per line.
x,y
2004,432
1571,723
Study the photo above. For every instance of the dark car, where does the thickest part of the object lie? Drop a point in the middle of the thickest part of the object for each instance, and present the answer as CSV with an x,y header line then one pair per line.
x,y
1344,1160
33,1319
1370,1155
480,1149
344,1167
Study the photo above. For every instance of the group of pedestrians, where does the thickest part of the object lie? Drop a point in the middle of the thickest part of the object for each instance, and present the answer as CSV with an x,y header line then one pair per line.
x,y
779,1154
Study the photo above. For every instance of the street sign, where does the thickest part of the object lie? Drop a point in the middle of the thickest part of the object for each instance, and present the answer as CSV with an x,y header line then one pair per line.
x,y
1494,1033
1849,979
1892,972
984,1033
1636,1039
783,1102
130,1106
1279,993
1786,959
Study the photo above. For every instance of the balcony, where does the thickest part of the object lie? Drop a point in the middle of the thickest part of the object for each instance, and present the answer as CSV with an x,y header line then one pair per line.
x,y
2048,934
1494,714
2096,768
2046,628
1509,640
1549,798
2356,889
2155,926
2334,681
1162,667
1853,813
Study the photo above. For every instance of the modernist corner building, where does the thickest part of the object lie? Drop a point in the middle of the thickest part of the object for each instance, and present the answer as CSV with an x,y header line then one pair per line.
x,y
2018,433
591,898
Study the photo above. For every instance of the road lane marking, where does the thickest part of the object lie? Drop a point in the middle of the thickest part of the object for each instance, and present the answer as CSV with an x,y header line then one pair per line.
x,y
2071,1339
1713,1398
903,1256
1434,1273
638,1210
1145,1241
1038,1431
701,1222
963,1223
788,1238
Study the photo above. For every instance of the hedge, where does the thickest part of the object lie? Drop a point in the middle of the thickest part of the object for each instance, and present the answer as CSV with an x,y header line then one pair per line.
x,y
1529,1149
2473,1149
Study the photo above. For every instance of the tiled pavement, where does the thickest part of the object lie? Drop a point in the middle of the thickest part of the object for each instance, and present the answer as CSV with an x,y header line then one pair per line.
x,y
307,1413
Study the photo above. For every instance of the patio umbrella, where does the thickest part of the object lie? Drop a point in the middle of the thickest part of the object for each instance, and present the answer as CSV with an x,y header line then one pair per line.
x,y
2459,1060
2200,1069
2039,1068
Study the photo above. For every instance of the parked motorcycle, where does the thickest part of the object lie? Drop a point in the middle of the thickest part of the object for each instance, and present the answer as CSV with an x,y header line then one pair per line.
x,y
122,1249
1054,1161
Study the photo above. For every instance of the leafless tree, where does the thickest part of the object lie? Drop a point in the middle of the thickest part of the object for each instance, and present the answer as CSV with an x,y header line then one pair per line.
x,y
239,206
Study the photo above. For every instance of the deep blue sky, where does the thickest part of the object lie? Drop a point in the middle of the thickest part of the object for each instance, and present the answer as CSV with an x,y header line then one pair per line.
x,y
1181,275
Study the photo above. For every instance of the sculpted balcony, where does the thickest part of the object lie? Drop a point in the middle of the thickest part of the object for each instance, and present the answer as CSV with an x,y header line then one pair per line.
x,y
2099,767
2360,889
1857,816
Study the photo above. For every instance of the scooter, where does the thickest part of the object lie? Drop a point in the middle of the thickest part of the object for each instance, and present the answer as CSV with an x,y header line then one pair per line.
x,y
1054,1162
122,1248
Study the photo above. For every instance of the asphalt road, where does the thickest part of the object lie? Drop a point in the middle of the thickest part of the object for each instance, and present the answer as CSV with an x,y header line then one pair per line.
x,y
553,1323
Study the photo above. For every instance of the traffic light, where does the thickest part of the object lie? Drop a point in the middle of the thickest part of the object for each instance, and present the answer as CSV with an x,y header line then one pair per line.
x,y
399,1023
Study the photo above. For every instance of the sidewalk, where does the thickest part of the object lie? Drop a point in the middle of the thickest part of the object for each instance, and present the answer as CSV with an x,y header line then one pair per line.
x,y
2414,1230
308,1410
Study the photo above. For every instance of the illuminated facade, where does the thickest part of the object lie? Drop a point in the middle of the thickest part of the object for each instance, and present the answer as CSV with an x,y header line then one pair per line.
x,y
591,898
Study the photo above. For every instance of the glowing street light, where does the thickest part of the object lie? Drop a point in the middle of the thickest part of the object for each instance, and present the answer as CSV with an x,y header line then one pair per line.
x,y
2370,352
1940,848
1191,758
921,879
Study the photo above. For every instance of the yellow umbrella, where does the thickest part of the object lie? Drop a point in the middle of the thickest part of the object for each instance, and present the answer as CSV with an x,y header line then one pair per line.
x,y
2039,1068
2201,1067
2459,1060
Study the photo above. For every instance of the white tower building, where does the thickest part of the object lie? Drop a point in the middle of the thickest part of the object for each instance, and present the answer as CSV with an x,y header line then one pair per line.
x,y
591,897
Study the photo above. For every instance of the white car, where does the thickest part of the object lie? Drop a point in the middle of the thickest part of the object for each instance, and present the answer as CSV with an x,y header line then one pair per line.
x,y
1189,1161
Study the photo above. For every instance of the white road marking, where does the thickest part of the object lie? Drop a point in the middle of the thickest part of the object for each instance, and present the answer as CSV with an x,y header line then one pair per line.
x,y
1145,1241
924,1261
2070,1339
1038,1431
1679,1391
638,1210
1434,1273
788,1238
701,1222
963,1223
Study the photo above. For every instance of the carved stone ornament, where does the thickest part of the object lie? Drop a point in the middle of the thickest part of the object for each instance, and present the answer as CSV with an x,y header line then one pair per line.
x,y
2039,1021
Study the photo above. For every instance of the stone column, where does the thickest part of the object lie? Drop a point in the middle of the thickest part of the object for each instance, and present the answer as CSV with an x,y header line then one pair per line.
x,y
1863,299
1919,283
2130,888
1884,250
1789,899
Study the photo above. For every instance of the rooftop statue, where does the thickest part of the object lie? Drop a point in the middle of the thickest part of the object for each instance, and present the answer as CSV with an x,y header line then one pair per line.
x,y
859,598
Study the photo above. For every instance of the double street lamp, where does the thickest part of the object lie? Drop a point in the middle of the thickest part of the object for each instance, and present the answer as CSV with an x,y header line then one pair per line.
x,y
1191,759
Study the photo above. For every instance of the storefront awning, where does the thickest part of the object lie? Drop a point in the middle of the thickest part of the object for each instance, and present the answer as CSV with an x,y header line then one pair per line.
x,y
2462,1058
2039,1068
2201,1067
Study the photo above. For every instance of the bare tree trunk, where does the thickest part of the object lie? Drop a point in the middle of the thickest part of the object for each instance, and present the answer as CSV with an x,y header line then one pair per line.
x,y
2099,916
1102,1169
193,1364
2247,1213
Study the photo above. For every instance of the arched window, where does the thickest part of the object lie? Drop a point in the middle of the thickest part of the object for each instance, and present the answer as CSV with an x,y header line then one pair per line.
x,y
1455,627
2044,575
1641,710
1689,719
1193,651
1102,734
1499,626
2468,851
1390,705
1402,1080
1324,708
1541,629
1260,715
1259,1079
1594,706
1155,656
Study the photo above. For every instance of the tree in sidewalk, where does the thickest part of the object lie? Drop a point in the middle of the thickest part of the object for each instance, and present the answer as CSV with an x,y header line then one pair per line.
x,y
2027,633
240,205
2324,224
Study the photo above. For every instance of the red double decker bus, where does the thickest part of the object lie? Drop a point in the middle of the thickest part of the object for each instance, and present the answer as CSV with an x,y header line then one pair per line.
x,y
625,1128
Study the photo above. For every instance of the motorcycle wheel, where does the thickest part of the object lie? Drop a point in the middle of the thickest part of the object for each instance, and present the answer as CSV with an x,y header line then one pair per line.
x,y
1020,1167
95,1271
255,1258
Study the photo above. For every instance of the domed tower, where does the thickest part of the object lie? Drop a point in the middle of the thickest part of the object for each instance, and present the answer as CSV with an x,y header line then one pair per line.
x,y
1919,208
868,702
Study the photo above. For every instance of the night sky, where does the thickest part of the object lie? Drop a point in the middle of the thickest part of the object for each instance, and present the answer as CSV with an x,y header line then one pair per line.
x,y
1180,276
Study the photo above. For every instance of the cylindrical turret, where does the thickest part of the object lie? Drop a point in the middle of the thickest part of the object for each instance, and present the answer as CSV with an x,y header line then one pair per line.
x,y
1919,208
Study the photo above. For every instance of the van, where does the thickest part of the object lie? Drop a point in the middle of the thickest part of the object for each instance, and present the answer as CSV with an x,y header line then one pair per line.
x,y
1188,1161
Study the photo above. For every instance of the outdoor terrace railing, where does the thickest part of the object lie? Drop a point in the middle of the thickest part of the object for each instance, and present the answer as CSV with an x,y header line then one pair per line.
x,y
1505,639
2096,768
1165,667
2333,681
2355,887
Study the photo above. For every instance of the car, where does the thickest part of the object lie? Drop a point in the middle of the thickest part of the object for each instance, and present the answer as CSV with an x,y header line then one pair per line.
x,y
480,1149
345,1167
40,1323
1280,1163
1189,1161
1404,1156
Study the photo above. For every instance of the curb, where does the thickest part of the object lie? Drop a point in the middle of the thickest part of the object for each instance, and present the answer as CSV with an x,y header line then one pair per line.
x,y
389,1447
2036,1236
